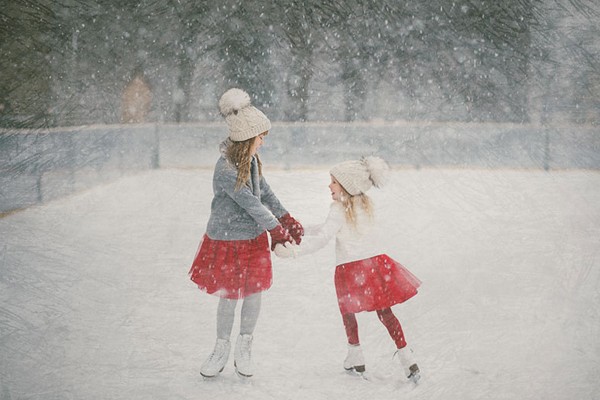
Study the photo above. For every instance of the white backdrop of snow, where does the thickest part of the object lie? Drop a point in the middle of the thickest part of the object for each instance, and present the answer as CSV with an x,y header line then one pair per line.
x,y
95,301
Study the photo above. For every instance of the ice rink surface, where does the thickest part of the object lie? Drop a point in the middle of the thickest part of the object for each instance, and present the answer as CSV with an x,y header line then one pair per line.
x,y
95,301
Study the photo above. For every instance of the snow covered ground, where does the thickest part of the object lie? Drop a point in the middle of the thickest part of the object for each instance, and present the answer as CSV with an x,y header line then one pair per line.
x,y
95,302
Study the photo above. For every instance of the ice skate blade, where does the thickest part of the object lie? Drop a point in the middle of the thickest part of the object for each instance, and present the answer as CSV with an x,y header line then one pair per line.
x,y
357,368
212,376
245,376
414,378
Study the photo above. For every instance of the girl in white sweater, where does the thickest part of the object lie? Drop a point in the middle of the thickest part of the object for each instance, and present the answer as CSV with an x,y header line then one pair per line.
x,y
366,279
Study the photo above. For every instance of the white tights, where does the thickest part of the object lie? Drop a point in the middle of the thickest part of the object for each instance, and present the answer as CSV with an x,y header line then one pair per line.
x,y
249,315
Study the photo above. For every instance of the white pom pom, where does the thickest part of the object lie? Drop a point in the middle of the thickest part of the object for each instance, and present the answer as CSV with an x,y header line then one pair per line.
x,y
378,169
233,100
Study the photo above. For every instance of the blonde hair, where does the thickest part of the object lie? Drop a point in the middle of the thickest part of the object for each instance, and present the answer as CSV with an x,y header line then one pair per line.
x,y
351,203
238,154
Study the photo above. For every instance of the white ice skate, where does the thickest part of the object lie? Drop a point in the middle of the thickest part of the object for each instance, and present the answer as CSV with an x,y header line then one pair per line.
x,y
242,356
217,360
409,366
354,360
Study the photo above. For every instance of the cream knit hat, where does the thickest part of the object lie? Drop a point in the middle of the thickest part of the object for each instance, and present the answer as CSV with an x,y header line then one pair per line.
x,y
357,176
243,120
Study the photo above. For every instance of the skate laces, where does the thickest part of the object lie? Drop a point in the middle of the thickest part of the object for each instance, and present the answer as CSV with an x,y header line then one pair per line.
x,y
217,352
245,347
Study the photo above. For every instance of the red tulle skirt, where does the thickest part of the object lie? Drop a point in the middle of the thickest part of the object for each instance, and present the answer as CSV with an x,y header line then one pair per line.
x,y
233,269
373,284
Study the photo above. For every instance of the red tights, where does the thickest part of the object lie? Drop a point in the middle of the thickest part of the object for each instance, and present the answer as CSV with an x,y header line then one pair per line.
x,y
387,318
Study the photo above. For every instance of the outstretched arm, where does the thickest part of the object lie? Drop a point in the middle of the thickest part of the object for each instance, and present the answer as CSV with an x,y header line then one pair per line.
x,y
271,201
318,238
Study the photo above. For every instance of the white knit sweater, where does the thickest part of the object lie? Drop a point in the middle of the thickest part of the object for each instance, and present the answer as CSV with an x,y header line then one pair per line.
x,y
352,243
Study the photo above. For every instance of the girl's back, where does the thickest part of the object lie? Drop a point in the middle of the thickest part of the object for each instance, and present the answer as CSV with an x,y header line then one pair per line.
x,y
356,240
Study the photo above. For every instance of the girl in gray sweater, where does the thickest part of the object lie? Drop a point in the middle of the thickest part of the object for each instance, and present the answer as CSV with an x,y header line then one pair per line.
x,y
234,260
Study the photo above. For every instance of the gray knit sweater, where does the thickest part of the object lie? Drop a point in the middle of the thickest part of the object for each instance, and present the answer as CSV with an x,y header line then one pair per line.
x,y
244,213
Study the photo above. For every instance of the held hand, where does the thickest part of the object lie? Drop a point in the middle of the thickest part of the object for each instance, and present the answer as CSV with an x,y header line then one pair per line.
x,y
293,226
279,235
287,250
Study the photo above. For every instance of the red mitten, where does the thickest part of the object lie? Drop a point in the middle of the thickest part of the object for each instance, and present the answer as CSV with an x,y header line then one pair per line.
x,y
279,235
293,226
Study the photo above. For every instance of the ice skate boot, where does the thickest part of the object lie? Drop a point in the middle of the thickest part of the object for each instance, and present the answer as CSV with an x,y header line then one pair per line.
x,y
242,356
354,360
409,366
217,360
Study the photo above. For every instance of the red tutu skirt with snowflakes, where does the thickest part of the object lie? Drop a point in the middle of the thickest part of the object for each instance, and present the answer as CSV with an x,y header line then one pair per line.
x,y
233,269
373,284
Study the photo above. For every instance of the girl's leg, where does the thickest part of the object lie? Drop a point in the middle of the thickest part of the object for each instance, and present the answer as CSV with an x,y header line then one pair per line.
x,y
387,317
218,358
225,317
242,354
354,360
351,327
411,369
250,312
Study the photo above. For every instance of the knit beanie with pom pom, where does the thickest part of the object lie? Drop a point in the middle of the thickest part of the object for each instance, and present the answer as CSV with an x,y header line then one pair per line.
x,y
358,176
243,119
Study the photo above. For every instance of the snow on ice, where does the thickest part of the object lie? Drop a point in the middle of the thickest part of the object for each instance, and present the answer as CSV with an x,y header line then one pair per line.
x,y
95,301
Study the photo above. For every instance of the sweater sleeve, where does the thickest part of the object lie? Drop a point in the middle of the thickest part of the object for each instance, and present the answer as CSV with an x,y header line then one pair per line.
x,y
319,236
246,199
269,199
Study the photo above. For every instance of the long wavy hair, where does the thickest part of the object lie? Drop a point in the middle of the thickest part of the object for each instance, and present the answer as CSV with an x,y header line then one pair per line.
x,y
351,203
238,154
